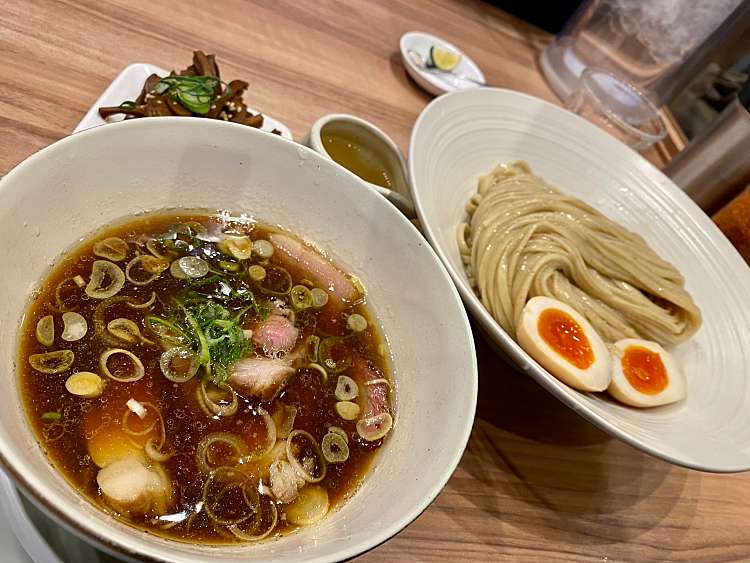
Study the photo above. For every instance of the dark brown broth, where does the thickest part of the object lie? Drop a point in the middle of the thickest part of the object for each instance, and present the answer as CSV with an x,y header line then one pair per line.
x,y
65,441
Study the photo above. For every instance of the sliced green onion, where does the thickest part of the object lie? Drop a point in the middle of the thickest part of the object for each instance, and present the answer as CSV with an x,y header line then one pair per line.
x,y
256,272
75,326
62,292
310,506
177,271
356,322
52,362
240,247
334,354
147,268
112,248
101,271
300,297
203,451
263,248
335,448
340,431
85,384
212,406
346,388
375,427
300,465
51,416
319,297
45,330
126,330
244,536
138,369
277,281
145,304
195,93
178,364
320,369
193,266
156,247
347,410
228,266
286,424
197,229
155,453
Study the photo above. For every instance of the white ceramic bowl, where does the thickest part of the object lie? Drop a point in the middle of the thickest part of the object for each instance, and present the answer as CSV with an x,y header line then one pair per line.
x,y
87,180
461,136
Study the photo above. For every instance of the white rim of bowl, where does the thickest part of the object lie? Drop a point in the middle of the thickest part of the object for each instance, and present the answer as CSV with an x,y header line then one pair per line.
x,y
48,501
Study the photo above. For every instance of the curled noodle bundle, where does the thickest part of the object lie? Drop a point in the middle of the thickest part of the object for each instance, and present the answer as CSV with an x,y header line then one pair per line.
x,y
525,238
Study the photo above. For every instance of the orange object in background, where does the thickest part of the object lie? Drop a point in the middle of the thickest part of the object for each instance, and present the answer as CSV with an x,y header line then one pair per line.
x,y
734,221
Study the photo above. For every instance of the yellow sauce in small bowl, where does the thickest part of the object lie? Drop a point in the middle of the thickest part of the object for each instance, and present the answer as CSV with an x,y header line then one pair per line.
x,y
363,159
367,152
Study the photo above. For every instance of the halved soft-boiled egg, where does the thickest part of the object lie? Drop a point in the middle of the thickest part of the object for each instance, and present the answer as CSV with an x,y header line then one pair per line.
x,y
645,375
565,344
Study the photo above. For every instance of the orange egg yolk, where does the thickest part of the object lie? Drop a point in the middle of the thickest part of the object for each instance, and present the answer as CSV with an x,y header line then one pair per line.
x,y
644,370
566,337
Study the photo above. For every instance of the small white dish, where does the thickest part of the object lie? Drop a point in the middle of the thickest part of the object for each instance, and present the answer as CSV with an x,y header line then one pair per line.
x,y
128,84
374,137
438,82
461,136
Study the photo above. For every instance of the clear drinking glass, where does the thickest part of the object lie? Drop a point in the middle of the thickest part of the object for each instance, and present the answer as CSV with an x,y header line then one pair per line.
x,y
617,107
647,43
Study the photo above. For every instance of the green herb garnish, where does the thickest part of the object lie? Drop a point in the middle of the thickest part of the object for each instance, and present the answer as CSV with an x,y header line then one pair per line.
x,y
194,93
214,331
51,416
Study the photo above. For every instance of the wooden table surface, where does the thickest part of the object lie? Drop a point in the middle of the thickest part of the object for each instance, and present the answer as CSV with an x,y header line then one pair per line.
x,y
537,483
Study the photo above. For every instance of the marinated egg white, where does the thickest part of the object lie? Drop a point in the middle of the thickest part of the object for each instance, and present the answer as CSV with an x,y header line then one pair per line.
x,y
645,375
565,344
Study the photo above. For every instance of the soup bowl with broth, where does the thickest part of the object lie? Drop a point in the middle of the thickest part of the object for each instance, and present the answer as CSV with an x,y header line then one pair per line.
x,y
221,216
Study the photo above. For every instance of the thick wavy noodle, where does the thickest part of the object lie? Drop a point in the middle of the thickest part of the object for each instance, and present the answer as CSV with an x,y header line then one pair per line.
x,y
525,238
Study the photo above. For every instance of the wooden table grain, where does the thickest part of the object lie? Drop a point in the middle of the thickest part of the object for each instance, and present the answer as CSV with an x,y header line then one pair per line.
x,y
537,483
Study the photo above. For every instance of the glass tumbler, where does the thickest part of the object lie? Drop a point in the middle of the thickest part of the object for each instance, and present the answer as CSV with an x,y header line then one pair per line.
x,y
617,107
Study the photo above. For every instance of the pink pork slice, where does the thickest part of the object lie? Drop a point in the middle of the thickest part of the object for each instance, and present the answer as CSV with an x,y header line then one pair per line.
x,y
276,336
374,399
263,378
292,253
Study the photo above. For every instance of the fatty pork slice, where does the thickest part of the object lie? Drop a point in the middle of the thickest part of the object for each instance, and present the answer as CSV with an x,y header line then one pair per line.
x,y
275,336
133,487
292,254
262,378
